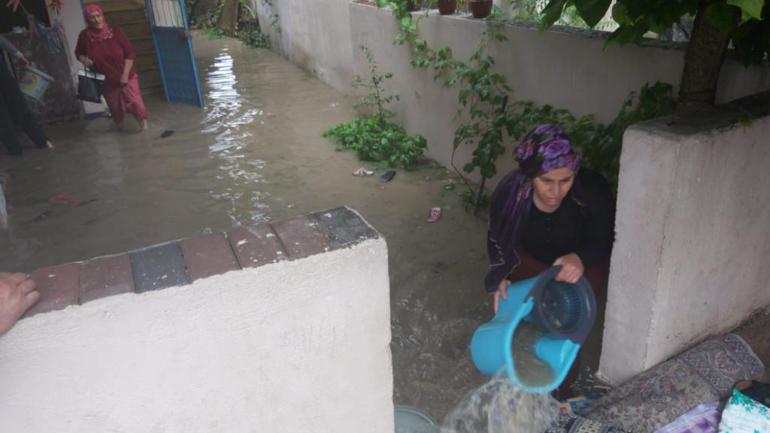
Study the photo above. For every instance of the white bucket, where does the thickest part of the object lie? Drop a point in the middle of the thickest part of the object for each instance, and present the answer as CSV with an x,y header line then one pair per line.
x,y
35,82
413,420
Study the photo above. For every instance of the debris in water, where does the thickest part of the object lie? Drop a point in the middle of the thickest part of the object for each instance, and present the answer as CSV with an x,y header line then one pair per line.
x,y
363,172
434,214
88,202
388,176
42,216
64,198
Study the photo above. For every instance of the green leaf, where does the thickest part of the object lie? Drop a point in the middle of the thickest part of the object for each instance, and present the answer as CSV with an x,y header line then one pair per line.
x,y
721,16
551,13
751,8
592,11
620,14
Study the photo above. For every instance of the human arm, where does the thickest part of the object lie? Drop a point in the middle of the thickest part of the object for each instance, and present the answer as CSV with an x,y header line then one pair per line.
x,y
597,211
128,54
17,294
127,66
8,47
81,50
13,4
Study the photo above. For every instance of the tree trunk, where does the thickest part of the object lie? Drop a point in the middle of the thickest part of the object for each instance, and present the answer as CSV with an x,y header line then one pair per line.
x,y
702,63
228,21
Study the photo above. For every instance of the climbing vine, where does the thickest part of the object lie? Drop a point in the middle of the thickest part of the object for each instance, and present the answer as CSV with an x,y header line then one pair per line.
x,y
485,117
274,18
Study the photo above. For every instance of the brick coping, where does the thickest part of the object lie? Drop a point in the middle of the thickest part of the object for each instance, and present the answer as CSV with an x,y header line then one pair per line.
x,y
181,262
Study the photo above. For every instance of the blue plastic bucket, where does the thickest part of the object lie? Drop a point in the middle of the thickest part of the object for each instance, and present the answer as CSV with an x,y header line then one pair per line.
x,y
555,348
35,82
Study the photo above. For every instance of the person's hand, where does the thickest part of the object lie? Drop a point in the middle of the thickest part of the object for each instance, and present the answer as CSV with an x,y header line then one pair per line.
x,y
13,4
571,268
86,61
17,294
501,292
123,80
20,57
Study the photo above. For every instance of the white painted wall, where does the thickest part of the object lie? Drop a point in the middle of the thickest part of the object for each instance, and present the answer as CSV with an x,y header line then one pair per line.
x,y
568,69
300,346
693,240
314,34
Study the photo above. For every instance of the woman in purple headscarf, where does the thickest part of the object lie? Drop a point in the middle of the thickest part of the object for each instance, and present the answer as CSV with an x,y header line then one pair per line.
x,y
547,212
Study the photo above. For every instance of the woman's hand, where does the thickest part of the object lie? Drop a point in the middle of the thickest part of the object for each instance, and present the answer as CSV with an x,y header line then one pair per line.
x,y
501,292
22,59
86,61
571,268
123,80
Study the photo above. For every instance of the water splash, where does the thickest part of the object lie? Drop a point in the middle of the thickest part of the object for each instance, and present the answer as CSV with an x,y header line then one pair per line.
x,y
499,406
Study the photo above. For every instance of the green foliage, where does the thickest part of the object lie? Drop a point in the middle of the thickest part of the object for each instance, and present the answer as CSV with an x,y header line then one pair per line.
x,y
745,21
274,18
600,144
372,136
375,99
486,121
257,39
374,140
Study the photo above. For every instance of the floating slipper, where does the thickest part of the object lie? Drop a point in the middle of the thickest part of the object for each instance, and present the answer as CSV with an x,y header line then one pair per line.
x,y
64,199
388,176
363,172
434,214
166,133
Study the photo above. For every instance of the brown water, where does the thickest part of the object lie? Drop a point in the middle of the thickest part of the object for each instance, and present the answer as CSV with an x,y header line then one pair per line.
x,y
531,370
500,407
254,154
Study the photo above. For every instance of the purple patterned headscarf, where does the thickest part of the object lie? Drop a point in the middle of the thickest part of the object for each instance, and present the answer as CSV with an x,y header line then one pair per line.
x,y
545,148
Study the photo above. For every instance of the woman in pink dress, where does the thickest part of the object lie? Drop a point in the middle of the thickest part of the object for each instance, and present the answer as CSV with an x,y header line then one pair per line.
x,y
108,50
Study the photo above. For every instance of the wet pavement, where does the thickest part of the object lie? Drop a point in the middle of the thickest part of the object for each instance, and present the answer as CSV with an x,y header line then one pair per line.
x,y
255,154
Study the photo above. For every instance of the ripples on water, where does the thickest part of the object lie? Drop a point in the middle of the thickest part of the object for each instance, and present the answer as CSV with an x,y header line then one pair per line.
x,y
227,112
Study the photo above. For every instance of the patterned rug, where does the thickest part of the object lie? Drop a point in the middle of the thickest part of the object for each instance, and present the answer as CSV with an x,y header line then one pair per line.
x,y
703,374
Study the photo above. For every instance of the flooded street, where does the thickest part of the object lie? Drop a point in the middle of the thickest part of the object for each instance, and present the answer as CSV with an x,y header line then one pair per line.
x,y
255,154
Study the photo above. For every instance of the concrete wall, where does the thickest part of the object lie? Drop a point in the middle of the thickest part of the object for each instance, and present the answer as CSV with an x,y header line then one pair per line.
x,y
568,69
572,70
315,35
293,346
693,237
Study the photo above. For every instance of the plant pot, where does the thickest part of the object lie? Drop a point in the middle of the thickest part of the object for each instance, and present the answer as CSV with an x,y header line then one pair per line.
x,y
481,8
447,7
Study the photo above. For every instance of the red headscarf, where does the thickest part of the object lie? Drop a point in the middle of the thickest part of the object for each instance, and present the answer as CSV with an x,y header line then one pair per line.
x,y
94,34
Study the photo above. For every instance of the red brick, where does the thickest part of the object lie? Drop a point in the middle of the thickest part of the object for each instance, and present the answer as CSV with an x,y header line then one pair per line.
x,y
59,286
256,245
105,276
301,237
208,255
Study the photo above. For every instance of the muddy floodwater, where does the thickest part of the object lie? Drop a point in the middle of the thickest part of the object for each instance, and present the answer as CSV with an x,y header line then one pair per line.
x,y
255,154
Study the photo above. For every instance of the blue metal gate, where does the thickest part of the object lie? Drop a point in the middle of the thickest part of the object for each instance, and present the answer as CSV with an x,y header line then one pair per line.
x,y
171,35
